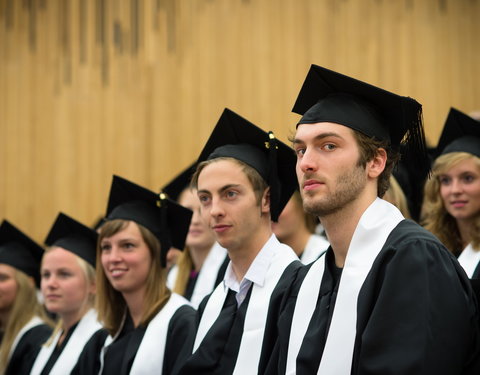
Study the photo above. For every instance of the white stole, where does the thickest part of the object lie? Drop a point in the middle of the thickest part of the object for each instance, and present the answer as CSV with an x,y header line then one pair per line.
x,y
249,352
208,274
373,229
86,327
469,259
150,354
35,321
316,246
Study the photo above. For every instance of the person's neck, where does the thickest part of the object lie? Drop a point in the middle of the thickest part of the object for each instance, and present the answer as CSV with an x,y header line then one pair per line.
x,y
298,240
341,225
199,254
465,230
243,257
70,319
135,305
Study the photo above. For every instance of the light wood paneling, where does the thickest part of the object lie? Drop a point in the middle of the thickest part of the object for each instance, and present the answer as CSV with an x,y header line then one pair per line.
x,y
89,88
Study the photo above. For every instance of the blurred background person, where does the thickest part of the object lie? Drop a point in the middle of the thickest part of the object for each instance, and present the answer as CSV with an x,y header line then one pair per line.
x,y
396,196
23,322
68,288
202,264
296,228
451,208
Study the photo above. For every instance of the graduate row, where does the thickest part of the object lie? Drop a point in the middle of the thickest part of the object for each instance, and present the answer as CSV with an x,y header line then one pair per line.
x,y
386,297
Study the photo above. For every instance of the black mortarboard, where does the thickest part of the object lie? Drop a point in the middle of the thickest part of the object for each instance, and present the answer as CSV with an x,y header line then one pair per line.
x,y
19,251
328,96
166,219
235,137
73,236
175,187
460,133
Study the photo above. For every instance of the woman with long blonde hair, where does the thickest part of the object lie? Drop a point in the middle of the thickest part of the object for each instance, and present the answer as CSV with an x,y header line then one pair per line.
x,y
202,264
68,288
23,322
150,328
451,207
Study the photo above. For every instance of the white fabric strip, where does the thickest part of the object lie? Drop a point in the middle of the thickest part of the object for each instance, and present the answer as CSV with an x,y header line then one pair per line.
x,y
469,259
86,327
372,231
35,321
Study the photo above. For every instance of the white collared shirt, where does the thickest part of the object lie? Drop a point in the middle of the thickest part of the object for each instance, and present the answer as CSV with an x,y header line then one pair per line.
x,y
256,273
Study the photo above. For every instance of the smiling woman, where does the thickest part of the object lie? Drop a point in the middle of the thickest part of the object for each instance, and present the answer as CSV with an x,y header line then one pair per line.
x,y
451,207
149,326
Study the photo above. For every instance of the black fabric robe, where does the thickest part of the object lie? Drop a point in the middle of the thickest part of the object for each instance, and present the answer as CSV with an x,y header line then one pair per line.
x,y
27,349
121,353
218,351
416,313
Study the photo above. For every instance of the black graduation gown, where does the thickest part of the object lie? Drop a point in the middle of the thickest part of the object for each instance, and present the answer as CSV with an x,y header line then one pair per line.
x,y
416,313
218,352
121,353
27,349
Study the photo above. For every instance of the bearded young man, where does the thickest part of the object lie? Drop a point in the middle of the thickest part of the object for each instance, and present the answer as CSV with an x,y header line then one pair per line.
x,y
387,297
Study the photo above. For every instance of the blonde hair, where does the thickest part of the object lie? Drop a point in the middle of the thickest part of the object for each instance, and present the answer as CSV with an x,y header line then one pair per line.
x,y
396,196
89,273
184,267
24,308
111,305
434,215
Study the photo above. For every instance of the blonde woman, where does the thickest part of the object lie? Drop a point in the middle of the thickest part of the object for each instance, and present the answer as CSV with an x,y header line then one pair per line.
x,y
202,264
451,208
68,288
24,326
148,325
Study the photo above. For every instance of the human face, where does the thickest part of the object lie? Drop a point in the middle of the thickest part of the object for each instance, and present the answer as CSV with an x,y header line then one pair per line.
x,y
328,173
229,204
460,189
8,287
290,220
64,284
126,260
199,236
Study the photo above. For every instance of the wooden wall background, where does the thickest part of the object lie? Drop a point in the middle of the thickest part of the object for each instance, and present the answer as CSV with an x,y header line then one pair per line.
x,y
89,88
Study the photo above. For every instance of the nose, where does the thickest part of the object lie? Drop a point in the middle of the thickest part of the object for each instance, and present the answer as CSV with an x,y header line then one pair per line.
x,y
216,208
114,255
307,163
456,187
50,282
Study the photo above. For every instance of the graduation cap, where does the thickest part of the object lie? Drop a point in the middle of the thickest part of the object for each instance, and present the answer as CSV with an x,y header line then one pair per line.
x,y
73,236
166,219
19,251
328,96
235,137
460,133
175,187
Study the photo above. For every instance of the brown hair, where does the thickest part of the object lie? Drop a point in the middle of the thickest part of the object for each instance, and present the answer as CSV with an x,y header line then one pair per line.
x,y
368,150
434,215
111,305
259,185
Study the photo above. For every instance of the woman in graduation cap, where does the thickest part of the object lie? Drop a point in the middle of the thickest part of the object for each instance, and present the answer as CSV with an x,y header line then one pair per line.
x,y
451,207
23,322
68,288
202,264
148,324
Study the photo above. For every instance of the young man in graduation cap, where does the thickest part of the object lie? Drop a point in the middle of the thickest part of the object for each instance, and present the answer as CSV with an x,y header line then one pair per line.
x,y
244,179
387,297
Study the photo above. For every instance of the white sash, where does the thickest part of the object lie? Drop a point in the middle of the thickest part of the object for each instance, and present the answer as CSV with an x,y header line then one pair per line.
x,y
373,229
469,259
150,354
35,321
208,274
254,328
86,327
316,245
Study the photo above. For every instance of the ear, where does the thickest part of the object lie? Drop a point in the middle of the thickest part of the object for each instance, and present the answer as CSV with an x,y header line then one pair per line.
x,y
265,204
376,166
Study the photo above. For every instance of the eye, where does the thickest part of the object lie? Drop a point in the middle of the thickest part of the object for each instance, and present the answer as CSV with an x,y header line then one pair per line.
x,y
204,199
444,180
299,151
469,178
64,274
128,245
45,275
105,247
230,194
329,146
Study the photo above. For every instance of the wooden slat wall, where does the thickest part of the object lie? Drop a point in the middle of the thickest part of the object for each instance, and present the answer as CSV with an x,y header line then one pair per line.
x,y
89,88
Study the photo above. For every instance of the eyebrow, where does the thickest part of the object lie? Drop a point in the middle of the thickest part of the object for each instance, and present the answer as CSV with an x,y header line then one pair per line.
x,y
318,137
221,190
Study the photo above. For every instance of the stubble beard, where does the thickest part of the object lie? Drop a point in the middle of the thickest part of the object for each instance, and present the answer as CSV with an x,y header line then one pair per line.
x,y
348,187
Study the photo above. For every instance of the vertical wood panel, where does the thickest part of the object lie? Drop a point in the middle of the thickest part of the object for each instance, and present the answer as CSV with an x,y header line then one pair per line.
x,y
89,88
